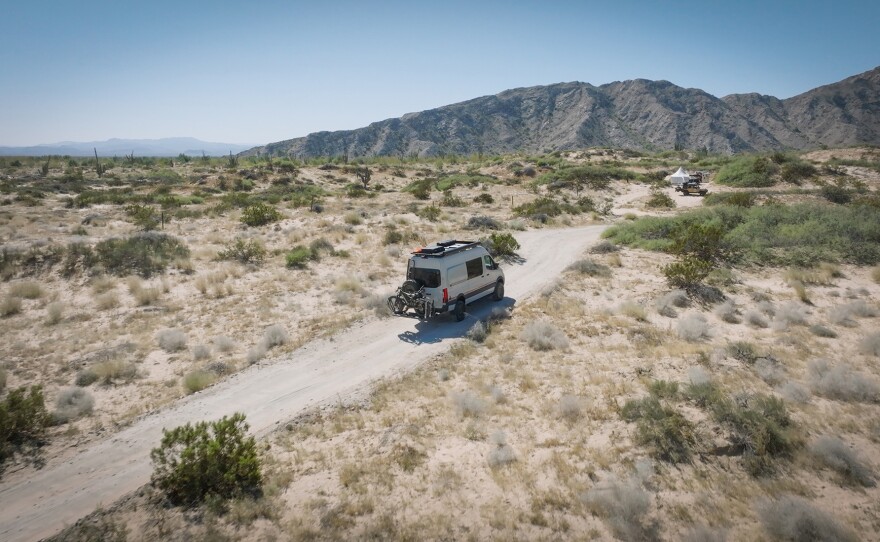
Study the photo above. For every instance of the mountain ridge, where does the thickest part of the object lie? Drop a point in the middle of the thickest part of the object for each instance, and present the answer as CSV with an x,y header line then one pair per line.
x,y
640,114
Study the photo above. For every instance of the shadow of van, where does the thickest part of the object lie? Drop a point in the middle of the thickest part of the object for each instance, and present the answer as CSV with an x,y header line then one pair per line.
x,y
445,327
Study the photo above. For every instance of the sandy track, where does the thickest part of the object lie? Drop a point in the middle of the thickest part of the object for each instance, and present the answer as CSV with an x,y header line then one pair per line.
x,y
320,372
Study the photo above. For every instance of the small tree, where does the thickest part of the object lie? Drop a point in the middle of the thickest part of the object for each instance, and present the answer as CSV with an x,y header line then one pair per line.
x,y
23,421
208,458
363,175
699,247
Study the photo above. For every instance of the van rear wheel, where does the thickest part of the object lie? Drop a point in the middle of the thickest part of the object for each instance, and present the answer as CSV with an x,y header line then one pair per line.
x,y
459,310
498,294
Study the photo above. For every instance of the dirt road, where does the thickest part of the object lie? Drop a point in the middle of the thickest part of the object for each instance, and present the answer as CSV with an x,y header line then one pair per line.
x,y
324,371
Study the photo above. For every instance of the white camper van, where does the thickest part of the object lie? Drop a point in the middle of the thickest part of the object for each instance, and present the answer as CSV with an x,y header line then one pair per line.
x,y
446,276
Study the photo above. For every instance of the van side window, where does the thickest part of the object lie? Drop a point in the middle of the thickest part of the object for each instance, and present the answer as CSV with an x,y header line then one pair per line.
x,y
487,261
474,268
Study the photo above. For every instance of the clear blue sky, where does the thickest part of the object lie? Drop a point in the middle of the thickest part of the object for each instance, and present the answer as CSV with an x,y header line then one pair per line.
x,y
263,71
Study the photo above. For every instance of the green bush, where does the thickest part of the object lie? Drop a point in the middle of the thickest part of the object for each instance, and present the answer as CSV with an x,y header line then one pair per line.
x,y
762,430
143,254
660,200
298,257
142,216
244,250
664,430
216,459
259,214
687,272
836,193
501,245
23,421
485,197
740,199
748,172
796,171
429,213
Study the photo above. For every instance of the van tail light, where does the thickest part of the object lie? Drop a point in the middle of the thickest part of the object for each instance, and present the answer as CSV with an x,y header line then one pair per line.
x,y
445,295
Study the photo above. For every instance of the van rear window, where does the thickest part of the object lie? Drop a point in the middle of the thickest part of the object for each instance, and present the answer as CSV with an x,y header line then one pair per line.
x,y
429,277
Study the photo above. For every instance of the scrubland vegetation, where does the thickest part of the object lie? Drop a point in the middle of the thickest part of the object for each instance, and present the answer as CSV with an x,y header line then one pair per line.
x,y
703,373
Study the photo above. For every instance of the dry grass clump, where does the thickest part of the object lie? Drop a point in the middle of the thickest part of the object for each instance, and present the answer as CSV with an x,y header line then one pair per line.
x,y
27,290
693,327
143,295
256,353
676,298
72,403
633,310
604,247
625,505
832,452
794,392
103,284
171,340
870,345
201,352
822,331
843,315
478,332
875,274
571,407
841,382
769,370
590,268
468,404
822,275
743,351
542,335
112,370
275,335
728,312
198,380
353,218
10,305
793,518
501,453
378,303
755,319
106,301
54,313
223,344
789,314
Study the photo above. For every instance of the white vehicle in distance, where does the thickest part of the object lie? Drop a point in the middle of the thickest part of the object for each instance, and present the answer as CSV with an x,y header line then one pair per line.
x,y
445,277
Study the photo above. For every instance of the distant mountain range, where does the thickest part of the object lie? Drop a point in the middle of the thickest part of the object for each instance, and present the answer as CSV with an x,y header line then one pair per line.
x,y
169,146
638,114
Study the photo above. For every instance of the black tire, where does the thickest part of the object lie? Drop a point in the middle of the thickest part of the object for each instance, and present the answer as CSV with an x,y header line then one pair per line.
x,y
410,287
396,305
458,311
498,294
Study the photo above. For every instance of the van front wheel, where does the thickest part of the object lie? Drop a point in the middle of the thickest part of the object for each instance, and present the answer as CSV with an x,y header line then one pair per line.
x,y
459,310
498,294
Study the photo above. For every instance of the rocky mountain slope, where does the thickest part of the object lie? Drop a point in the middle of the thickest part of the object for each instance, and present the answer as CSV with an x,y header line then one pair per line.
x,y
638,114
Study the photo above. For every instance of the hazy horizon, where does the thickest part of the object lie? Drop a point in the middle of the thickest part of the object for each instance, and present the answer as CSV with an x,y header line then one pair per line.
x,y
252,74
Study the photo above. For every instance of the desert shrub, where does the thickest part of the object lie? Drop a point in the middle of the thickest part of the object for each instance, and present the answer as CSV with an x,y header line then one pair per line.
x,y
54,313
821,331
743,351
590,268
112,370
485,197
875,274
3,376
392,237
319,246
142,216
675,298
275,335
692,327
571,407
106,301
841,382
604,247
256,352
469,404
836,193
502,453
298,257
198,380
843,315
201,352
223,343
739,199
625,505
23,421
633,310
353,219
259,214
756,319
870,345
834,453
660,200
794,392
86,377
795,171
246,251
542,335
793,518
662,429
26,290
144,254
171,340
501,245
478,332
216,459
430,213
686,273
378,303
704,533
11,305
747,172
72,403
481,222
769,370
451,200
727,312
789,314
760,427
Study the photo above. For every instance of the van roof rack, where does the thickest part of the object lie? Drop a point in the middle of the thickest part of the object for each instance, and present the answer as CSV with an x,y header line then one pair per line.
x,y
442,248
